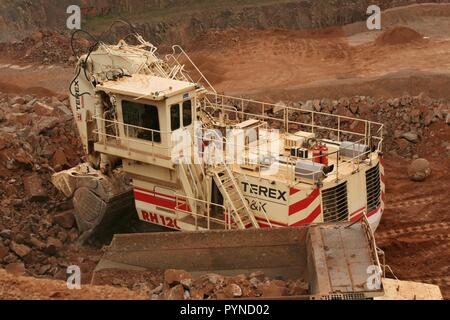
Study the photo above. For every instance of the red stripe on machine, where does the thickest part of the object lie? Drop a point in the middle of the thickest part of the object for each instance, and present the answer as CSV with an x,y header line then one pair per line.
x,y
309,219
304,203
357,211
373,212
139,196
262,221
155,193
357,217
293,191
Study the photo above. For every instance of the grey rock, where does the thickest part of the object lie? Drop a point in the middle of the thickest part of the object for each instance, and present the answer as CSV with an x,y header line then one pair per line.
x,y
308,106
411,137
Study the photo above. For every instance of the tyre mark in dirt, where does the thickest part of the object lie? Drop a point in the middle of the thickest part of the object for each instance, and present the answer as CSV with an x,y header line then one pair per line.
x,y
420,238
413,202
413,229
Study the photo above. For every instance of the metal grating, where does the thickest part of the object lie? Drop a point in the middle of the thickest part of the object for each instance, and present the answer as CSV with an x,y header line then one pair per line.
x,y
373,188
345,296
334,201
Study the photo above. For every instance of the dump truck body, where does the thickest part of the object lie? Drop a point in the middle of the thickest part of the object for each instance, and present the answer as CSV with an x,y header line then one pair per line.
x,y
334,259
395,289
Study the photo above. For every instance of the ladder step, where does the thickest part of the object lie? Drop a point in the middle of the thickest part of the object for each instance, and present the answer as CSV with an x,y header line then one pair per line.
x,y
228,184
236,201
226,180
240,212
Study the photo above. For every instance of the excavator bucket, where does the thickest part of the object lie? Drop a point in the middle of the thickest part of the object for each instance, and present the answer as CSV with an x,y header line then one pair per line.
x,y
100,201
332,258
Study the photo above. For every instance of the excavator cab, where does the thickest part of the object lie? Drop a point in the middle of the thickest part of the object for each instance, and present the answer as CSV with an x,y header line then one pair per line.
x,y
147,110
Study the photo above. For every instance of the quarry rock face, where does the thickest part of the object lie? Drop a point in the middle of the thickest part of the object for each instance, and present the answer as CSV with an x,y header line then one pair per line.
x,y
19,18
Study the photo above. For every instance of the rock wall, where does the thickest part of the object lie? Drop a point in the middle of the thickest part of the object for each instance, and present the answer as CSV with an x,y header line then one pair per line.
x,y
175,19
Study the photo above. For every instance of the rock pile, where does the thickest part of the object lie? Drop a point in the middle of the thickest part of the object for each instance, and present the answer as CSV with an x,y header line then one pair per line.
x,y
407,120
37,138
180,285
37,134
45,47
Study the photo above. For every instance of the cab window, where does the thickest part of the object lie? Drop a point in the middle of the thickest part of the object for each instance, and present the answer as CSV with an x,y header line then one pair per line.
x,y
187,113
144,116
175,117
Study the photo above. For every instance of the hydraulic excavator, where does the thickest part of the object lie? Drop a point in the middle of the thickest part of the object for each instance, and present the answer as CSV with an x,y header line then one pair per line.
x,y
264,186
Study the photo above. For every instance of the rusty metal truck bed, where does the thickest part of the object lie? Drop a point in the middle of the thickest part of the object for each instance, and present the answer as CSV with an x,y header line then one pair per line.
x,y
332,258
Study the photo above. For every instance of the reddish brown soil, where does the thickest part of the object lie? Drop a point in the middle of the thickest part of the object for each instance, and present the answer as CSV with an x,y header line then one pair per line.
x,y
38,91
414,232
291,64
27,288
399,35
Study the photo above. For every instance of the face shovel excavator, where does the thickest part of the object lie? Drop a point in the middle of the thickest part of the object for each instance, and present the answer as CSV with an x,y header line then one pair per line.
x,y
132,107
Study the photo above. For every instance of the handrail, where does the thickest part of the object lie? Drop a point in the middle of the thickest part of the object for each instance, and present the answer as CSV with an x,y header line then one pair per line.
x,y
182,52
257,152
179,198
219,104
314,126
290,108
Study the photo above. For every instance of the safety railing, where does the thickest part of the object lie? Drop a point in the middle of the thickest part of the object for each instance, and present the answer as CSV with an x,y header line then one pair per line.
x,y
235,105
227,151
371,239
204,219
133,138
177,60
256,154
236,110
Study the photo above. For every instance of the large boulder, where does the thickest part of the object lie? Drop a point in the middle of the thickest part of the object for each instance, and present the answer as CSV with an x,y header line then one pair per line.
x,y
419,169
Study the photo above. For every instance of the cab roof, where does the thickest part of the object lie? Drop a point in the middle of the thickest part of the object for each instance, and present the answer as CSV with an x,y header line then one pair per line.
x,y
146,86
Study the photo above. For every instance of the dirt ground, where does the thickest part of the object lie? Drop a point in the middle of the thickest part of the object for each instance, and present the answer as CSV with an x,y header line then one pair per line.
x,y
340,62
14,287
289,65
